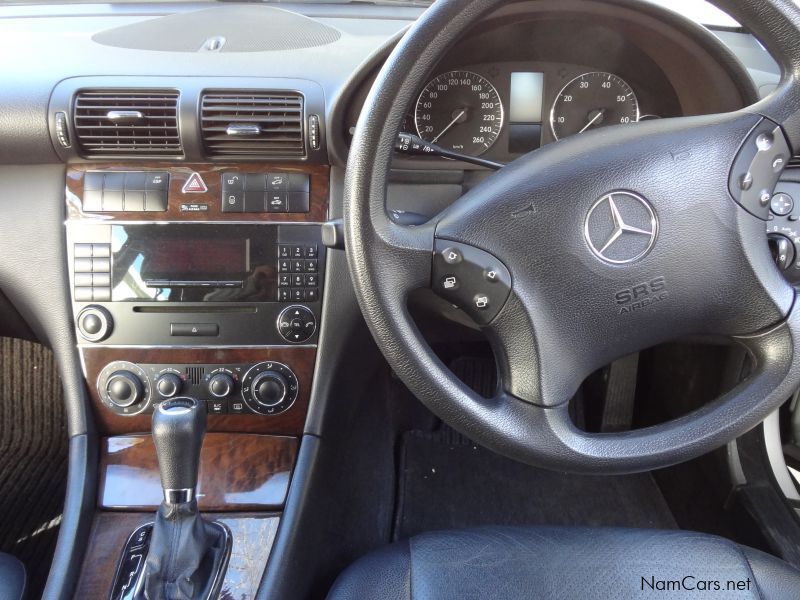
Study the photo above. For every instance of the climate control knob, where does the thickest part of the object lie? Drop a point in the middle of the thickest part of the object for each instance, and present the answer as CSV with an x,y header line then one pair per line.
x,y
124,389
169,385
220,385
269,388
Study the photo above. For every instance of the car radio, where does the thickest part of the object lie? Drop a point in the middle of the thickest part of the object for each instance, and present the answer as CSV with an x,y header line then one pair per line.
x,y
151,283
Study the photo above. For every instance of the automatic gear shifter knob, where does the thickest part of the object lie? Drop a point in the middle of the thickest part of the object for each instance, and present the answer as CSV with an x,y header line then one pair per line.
x,y
179,425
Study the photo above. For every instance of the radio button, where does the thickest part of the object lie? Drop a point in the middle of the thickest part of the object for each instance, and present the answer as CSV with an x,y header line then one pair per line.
x,y
101,265
84,280
311,266
297,266
194,329
297,295
311,251
284,295
311,280
83,251
312,295
101,250
284,266
98,279
285,280
101,294
284,251
83,294
297,280
83,265
296,324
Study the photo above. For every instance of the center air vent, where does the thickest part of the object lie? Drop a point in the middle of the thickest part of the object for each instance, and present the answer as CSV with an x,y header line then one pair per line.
x,y
263,124
124,123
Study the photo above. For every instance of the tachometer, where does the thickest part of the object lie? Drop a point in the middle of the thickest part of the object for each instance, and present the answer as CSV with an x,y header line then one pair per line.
x,y
459,110
593,100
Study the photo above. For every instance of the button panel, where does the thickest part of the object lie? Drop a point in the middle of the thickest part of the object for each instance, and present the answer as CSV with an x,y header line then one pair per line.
x,y
265,192
298,273
471,279
757,168
194,382
297,324
128,191
92,268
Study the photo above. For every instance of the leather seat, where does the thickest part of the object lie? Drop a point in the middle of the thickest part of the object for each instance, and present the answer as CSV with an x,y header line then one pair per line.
x,y
12,578
516,563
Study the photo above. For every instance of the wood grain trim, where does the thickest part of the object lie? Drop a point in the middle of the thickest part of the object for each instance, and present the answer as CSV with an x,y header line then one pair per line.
x,y
253,537
212,176
291,422
237,472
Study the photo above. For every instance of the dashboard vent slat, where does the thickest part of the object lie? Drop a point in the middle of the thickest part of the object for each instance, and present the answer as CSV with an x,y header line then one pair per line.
x,y
154,133
278,115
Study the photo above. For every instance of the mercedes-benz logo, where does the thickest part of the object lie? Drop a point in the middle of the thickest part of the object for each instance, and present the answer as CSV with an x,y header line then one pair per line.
x,y
621,227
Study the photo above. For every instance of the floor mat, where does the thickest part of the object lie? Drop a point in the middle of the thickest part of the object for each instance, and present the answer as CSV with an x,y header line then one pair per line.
x,y
448,482
33,456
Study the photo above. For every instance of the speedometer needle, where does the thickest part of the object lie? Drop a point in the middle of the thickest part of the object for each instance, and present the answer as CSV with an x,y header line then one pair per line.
x,y
592,121
449,125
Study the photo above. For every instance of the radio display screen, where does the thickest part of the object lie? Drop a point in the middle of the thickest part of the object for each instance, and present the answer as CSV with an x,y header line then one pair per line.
x,y
197,259
194,263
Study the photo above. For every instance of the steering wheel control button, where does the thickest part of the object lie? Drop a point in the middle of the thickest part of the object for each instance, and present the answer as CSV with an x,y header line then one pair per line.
x,y
95,323
269,388
476,282
449,282
452,256
781,204
297,324
757,167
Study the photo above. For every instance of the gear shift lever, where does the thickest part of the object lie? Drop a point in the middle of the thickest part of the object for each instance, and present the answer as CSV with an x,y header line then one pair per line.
x,y
186,555
178,429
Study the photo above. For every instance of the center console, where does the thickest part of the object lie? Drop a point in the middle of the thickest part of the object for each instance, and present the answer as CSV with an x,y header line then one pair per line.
x,y
199,280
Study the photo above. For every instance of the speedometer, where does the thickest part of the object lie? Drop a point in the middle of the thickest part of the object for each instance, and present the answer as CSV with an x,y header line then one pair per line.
x,y
590,101
461,111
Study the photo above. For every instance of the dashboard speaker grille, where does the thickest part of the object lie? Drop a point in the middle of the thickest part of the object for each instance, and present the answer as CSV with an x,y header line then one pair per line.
x,y
249,124
122,123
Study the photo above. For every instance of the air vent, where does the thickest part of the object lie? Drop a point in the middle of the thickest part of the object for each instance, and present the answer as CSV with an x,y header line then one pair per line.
x,y
263,124
125,123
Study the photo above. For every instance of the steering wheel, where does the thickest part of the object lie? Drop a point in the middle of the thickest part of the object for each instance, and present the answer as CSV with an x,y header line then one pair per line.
x,y
583,251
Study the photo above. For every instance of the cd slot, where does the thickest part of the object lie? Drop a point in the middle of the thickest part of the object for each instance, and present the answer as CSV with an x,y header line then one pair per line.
x,y
165,283
217,309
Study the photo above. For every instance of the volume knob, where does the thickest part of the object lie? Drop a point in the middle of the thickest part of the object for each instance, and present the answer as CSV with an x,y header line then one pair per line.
x,y
124,388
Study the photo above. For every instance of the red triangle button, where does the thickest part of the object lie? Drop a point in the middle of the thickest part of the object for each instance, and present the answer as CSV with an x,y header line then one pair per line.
x,y
194,185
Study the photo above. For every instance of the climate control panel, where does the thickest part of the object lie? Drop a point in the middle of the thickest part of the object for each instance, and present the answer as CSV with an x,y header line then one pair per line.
x,y
265,388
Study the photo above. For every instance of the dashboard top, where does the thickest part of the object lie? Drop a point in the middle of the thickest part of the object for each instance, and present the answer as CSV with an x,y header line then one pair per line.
x,y
337,47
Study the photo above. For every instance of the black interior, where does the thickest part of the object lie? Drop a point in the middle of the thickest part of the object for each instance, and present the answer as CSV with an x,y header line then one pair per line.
x,y
495,404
